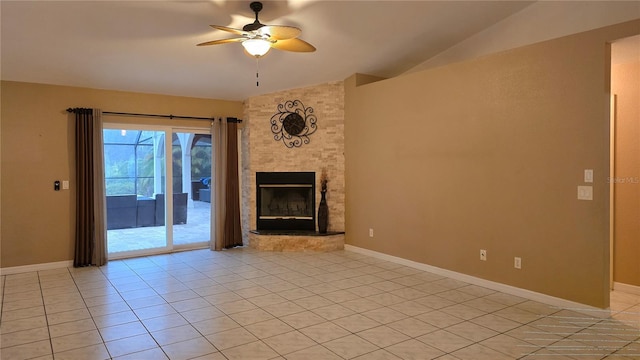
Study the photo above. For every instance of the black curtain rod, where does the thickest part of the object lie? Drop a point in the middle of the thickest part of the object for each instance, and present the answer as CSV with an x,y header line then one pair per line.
x,y
74,110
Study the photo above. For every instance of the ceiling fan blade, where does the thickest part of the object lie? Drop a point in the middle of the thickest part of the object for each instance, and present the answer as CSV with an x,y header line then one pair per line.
x,y
222,41
229,29
277,32
295,45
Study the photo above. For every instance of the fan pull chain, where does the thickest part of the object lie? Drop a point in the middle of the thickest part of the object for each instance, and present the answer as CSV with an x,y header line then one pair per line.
x,y
257,71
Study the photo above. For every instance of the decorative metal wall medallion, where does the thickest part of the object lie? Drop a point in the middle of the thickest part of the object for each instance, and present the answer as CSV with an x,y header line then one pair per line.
x,y
293,123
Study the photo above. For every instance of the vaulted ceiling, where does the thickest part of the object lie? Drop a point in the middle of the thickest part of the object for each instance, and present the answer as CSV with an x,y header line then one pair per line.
x,y
149,46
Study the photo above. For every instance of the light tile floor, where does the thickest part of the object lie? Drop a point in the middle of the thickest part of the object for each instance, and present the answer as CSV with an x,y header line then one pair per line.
x,y
243,304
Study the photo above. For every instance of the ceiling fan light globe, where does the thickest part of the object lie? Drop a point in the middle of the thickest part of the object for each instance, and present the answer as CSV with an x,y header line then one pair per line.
x,y
256,47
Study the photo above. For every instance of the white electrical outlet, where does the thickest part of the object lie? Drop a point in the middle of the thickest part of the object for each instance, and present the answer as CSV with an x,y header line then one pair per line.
x,y
371,232
483,255
517,262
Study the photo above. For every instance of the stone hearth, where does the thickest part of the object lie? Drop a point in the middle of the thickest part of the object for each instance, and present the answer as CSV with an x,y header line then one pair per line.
x,y
296,241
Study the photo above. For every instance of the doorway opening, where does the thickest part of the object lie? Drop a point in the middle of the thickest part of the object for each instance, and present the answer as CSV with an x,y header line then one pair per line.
x,y
624,176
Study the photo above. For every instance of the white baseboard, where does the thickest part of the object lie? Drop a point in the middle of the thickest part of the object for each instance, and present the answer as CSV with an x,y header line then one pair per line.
x,y
631,289
508,289
35,267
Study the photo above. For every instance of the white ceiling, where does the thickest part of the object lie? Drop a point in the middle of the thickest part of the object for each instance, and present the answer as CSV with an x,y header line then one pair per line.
x,y
149,46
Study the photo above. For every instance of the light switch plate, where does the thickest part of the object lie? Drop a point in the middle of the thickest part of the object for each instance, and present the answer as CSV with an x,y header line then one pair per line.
x,y
585,192
65,184
588,175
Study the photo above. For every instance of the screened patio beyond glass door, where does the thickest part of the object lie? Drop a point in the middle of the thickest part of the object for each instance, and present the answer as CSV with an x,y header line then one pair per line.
x,y
191,153
136,170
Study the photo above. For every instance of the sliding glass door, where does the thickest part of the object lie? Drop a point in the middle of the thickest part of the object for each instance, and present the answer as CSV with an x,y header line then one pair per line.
x,y
150,196
191,151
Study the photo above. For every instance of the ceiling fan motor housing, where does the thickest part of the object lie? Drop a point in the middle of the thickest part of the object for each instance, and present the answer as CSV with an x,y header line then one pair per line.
x,y
256,6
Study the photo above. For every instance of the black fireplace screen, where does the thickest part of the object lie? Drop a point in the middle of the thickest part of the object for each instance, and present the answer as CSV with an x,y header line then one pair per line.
x,y
286,201
290,201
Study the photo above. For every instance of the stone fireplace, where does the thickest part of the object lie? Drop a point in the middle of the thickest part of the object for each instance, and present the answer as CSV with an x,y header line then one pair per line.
x,y
271,219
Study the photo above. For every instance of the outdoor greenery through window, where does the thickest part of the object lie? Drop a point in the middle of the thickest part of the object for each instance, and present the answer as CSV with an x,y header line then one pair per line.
x,y
201,157
134,161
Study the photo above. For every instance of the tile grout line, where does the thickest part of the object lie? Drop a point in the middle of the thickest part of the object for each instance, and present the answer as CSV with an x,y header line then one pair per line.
x,y
44,308
3,280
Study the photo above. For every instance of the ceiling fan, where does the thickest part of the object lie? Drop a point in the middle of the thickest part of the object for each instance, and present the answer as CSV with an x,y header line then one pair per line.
x,y
257,38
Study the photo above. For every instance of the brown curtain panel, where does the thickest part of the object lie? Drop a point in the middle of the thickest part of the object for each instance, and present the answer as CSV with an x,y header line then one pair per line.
x,y
226,229
91,239
232,230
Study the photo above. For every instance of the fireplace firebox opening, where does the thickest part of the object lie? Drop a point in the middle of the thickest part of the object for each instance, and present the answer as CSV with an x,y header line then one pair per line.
x,y
286,201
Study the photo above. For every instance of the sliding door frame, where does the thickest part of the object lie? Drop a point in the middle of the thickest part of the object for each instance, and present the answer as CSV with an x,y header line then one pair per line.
x,y
168,186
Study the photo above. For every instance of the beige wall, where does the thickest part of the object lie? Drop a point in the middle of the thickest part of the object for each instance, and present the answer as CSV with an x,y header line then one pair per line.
x,y
625,83
540,21
38,224
487,154
324,150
